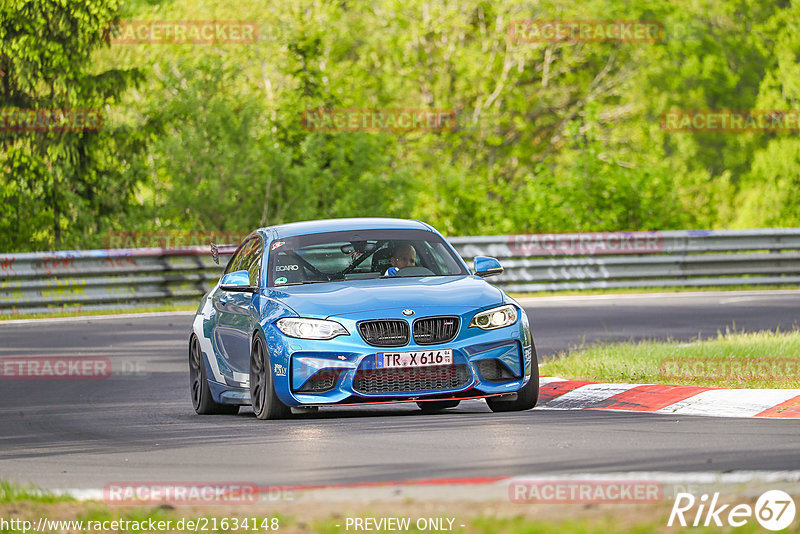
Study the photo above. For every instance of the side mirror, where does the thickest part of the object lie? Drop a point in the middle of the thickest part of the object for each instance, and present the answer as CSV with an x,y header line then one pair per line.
x,y
485,266
237,281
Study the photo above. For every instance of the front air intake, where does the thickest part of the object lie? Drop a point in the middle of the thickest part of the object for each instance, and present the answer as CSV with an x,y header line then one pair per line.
x,y
323,380
411,379
493,370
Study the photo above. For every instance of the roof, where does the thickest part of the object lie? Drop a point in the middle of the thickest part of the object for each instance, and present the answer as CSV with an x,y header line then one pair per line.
x,y
336,225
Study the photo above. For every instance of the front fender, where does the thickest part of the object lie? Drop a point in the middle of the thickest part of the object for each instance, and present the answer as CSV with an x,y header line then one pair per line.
x,y
277,344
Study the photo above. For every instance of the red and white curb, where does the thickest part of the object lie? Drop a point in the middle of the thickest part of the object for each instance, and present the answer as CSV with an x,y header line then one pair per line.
x,y
561,394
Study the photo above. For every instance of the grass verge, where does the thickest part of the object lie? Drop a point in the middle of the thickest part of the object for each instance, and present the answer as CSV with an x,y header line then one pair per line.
x,y
88,313
731,360
13,493
468,517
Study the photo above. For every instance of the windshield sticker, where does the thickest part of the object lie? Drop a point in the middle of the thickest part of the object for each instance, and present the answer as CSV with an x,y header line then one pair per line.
x,y
287,267
277,244
281,280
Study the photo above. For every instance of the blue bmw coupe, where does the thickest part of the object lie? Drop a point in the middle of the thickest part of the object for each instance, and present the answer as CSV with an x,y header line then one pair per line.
x,y
353,311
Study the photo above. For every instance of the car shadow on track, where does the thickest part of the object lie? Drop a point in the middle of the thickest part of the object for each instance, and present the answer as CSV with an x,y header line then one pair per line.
x,y
394,410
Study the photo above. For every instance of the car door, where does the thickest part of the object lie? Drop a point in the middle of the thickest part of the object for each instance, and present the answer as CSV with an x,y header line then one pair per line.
x,y
234,308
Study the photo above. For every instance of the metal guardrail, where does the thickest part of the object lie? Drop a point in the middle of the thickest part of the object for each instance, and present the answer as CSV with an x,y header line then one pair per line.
x,y
120,278
104,279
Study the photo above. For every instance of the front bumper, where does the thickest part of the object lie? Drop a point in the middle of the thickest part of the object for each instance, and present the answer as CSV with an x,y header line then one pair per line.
x,y
343,370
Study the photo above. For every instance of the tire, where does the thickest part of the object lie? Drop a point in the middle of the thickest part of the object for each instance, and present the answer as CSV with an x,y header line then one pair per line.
x,y
202,400
266,404
526,397
437,406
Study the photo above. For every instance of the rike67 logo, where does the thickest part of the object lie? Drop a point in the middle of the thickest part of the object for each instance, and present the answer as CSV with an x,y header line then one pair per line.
x,y
774,510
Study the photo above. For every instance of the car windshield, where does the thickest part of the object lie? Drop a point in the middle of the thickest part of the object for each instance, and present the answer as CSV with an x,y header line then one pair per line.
x,y
360,254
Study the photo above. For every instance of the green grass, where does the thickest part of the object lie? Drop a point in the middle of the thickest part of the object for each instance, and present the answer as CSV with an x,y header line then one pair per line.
x,y
490,517
87,313
733,360
13,493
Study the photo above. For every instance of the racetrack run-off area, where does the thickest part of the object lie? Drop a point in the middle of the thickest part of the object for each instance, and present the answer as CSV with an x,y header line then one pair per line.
x,y
138,423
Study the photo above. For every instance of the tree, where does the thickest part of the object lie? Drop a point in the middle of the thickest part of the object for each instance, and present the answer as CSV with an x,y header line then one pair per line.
x,y
64,179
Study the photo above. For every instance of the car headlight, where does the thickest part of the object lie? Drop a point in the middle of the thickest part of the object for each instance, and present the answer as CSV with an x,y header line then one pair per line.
x,y
495,318
311,328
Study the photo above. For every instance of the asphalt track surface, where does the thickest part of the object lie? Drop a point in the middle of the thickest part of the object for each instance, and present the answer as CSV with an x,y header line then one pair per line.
x,y
139,425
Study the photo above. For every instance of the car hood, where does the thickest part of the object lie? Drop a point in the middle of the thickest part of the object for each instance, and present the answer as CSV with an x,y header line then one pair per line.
x,y
457,293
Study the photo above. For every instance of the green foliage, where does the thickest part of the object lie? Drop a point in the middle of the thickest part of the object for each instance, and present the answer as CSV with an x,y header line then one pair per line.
x,y
770,195
58,187
550,136
731,360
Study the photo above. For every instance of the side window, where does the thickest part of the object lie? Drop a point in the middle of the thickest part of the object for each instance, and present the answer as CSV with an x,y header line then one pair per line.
x,y
236,259
252,260
248,258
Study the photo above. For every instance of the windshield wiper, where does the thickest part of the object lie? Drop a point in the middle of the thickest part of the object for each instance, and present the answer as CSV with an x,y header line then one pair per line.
x,y
302,283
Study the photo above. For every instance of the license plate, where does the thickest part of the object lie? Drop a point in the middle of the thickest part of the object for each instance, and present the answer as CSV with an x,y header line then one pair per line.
x,y
417,358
